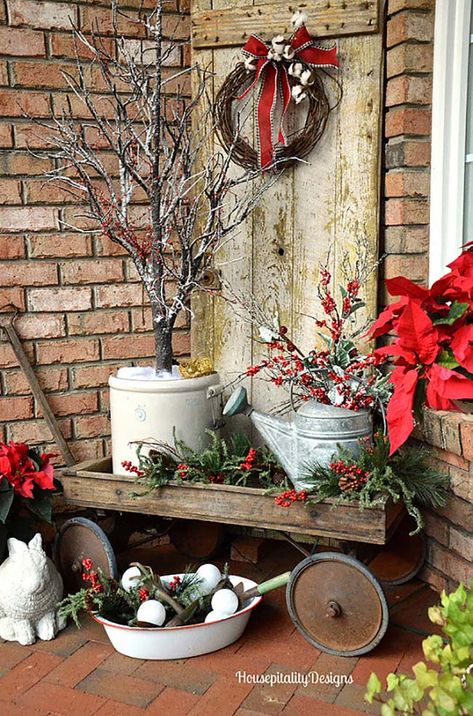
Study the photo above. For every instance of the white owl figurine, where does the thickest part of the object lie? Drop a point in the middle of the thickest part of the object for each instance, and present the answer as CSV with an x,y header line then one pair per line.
x,y
30,590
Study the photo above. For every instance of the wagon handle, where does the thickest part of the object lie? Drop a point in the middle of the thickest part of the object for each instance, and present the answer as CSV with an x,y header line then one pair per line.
x,y
280,581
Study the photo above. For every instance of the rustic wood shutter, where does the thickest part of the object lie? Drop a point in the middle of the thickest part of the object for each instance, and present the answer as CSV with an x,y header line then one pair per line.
x,y
277,253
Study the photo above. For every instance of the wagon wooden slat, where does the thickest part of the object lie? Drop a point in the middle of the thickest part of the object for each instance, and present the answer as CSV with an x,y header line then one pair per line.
x,y
92,484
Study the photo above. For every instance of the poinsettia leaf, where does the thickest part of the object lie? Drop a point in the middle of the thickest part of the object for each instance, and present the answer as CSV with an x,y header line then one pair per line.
x,y
457,310
463,264
40,505
396,350
462,346
399,413
446,385
6,499
386,319
417,333
402,286
446,359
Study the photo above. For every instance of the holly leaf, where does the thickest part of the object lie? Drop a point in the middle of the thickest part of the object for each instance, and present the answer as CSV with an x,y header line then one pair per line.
x,y
356,306
6,499
457,310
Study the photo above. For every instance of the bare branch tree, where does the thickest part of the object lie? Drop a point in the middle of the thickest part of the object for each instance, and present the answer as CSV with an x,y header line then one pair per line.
x,y
145,169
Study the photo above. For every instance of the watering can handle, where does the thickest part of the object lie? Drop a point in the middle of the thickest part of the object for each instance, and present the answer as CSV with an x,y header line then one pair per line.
x,y
280,581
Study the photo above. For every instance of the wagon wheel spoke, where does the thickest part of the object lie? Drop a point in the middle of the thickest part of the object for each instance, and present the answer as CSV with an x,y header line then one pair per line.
x,y
337,604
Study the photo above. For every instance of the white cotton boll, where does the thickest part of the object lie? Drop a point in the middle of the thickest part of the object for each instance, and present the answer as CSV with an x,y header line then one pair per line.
x,y
130,578
299,18
298,94
226,601
274,55
215,616
307,78
278,43
250,64
210,576
288,53
267,334
151,612
295,70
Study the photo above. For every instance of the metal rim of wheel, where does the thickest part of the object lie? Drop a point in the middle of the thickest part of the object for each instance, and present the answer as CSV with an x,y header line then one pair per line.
x,y
80,538
337,604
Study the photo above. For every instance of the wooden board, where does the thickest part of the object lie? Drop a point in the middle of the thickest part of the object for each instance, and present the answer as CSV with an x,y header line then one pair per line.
x,y
91,484
230,26
331,203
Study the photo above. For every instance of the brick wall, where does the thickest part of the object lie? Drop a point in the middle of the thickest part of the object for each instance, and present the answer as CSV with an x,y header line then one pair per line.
x,y
80,303
409,41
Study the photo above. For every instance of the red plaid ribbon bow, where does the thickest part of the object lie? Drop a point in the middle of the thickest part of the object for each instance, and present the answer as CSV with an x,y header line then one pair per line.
x,y
275,84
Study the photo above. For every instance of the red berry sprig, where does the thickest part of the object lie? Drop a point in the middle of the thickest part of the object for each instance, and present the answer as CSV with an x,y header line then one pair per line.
x,y
287,498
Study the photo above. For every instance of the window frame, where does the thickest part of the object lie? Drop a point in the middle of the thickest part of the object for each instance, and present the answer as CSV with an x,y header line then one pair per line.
x,y
449,108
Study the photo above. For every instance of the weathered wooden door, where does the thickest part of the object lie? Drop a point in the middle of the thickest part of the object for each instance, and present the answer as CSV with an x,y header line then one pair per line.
x,y
332,201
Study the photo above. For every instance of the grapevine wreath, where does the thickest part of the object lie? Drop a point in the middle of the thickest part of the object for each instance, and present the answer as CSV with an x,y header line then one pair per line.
x,y
279,72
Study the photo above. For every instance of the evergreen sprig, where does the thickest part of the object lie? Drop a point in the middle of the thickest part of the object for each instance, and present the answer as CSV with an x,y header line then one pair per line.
x,y
406,475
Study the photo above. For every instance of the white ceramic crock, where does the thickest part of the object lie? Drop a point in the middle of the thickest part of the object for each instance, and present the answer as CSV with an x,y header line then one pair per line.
x,y
180,642
155,409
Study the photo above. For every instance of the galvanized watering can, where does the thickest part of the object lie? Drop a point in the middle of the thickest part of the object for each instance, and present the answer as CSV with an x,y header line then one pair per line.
x,y
314,435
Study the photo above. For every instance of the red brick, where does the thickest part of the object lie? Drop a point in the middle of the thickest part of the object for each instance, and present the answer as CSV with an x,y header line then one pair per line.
x,y
408,120
27,673
10,191
181,343
172,702
406,211
19,273
115,708
31,136
74,403
12,297
397,5
98,322
67,351
461,482
466,431
31,326
37,431
21,42
67,46
437,581
92,426
100,20
7,356
92,271
87,449
304,706
59,246
6,136
93,376
436,527
39,191
120,295
128,346
414,267
27,218
33,74
449,457
407,58
407,183
4,80
16,408
410,26
405,89
50,379
126,689
222,697
79,665
47,15
406,239
65,701
107,247
402,152
271,698
60,299
462,542
12,654
22,163
447,562
14,103
119,664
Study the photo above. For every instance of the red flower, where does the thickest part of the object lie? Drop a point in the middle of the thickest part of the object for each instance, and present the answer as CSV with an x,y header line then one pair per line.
x,y
23,472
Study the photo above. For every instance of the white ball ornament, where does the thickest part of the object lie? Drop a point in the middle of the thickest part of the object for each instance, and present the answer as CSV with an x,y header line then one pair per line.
x,y
151,612
210,576
226,601
130,578
214,616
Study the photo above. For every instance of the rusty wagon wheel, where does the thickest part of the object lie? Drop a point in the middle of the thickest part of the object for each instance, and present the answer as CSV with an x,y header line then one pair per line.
x,y
196,539
337,604
402,558
78,539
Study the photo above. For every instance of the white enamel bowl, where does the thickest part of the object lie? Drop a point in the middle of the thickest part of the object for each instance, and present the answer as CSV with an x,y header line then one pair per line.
x,y
183,641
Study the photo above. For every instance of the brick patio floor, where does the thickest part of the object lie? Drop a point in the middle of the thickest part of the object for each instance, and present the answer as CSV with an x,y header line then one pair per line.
x,y
79,674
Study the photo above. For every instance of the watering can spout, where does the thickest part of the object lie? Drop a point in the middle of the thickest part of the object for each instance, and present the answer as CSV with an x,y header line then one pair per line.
x,y
277,433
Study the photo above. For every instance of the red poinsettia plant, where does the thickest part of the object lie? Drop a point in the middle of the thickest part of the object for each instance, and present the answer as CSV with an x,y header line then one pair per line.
x,y
26,485
433,350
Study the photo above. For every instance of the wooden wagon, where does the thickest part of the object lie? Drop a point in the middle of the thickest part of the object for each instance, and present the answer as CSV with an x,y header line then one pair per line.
x,y
335,598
